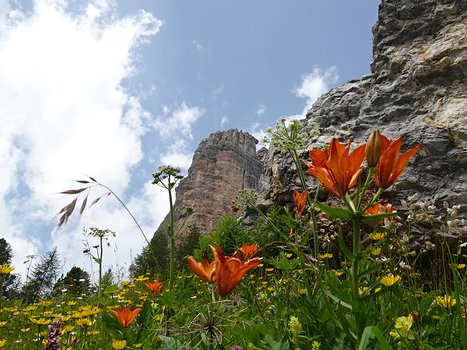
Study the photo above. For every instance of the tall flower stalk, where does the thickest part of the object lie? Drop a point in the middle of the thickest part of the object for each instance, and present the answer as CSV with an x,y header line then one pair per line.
x,y
167,177
103,236
288,137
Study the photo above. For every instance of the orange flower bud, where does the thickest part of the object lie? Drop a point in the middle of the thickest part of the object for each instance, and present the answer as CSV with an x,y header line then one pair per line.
x,y
373,148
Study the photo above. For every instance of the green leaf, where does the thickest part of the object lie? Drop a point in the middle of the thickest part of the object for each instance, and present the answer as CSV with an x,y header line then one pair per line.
x,y
283,263
336,213
371,332
343,246
269,343
170,343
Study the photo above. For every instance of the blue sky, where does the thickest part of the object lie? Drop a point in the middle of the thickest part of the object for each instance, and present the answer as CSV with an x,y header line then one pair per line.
x,y
113,89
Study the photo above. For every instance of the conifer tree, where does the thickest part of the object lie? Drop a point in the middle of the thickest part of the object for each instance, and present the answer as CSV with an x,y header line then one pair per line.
x,y
75,283
43,276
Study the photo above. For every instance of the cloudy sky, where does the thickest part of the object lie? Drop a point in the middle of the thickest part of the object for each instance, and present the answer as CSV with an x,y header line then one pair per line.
x,y
115,88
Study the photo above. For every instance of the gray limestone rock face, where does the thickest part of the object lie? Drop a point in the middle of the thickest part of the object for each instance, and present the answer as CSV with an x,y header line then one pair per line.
x,y
417,88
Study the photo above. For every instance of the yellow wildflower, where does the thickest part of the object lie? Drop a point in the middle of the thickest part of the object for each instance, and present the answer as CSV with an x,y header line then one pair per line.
x,y
5,269
48,313
377,236
402,327
45,303
119,344
68,328
141,278
389,280
84,322
295,326
337,273
2,323
376,251
2,343
362,290
445,301
326,256
39,321
137,345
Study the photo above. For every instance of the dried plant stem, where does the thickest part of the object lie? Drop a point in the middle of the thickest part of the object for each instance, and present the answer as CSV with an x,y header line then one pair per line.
x,y
128,211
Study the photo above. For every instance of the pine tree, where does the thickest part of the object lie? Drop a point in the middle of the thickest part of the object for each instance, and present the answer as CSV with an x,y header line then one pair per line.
x,y
43,276
6,253
75,283
11,282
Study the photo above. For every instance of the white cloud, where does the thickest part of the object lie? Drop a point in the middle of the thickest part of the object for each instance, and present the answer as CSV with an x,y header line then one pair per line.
x,y
315,84
261,110
200,47
179,122
176,127
178,155
64,114
258,133
224,121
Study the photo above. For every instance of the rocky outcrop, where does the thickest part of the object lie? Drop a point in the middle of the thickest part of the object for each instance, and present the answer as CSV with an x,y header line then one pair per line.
x,y
417,88
223,164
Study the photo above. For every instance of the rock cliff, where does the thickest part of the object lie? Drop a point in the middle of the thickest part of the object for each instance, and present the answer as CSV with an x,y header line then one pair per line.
x,y
223,164
417,88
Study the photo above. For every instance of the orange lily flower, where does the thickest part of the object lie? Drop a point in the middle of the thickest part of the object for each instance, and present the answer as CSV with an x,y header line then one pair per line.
x,y
205,269
379,208
155,286
300,202
247,251
336,168
126,316
391,165
230,270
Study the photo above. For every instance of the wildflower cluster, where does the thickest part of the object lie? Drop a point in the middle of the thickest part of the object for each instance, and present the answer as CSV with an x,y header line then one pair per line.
x,y
355,286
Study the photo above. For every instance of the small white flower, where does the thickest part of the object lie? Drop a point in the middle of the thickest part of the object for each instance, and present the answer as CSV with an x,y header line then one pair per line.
x,y
404,266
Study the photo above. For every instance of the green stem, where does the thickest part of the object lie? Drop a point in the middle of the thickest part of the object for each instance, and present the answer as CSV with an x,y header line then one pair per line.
x,y
172,238
365,186
356,307
311,204
252,205
374,199
1,293
356,251
99,290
